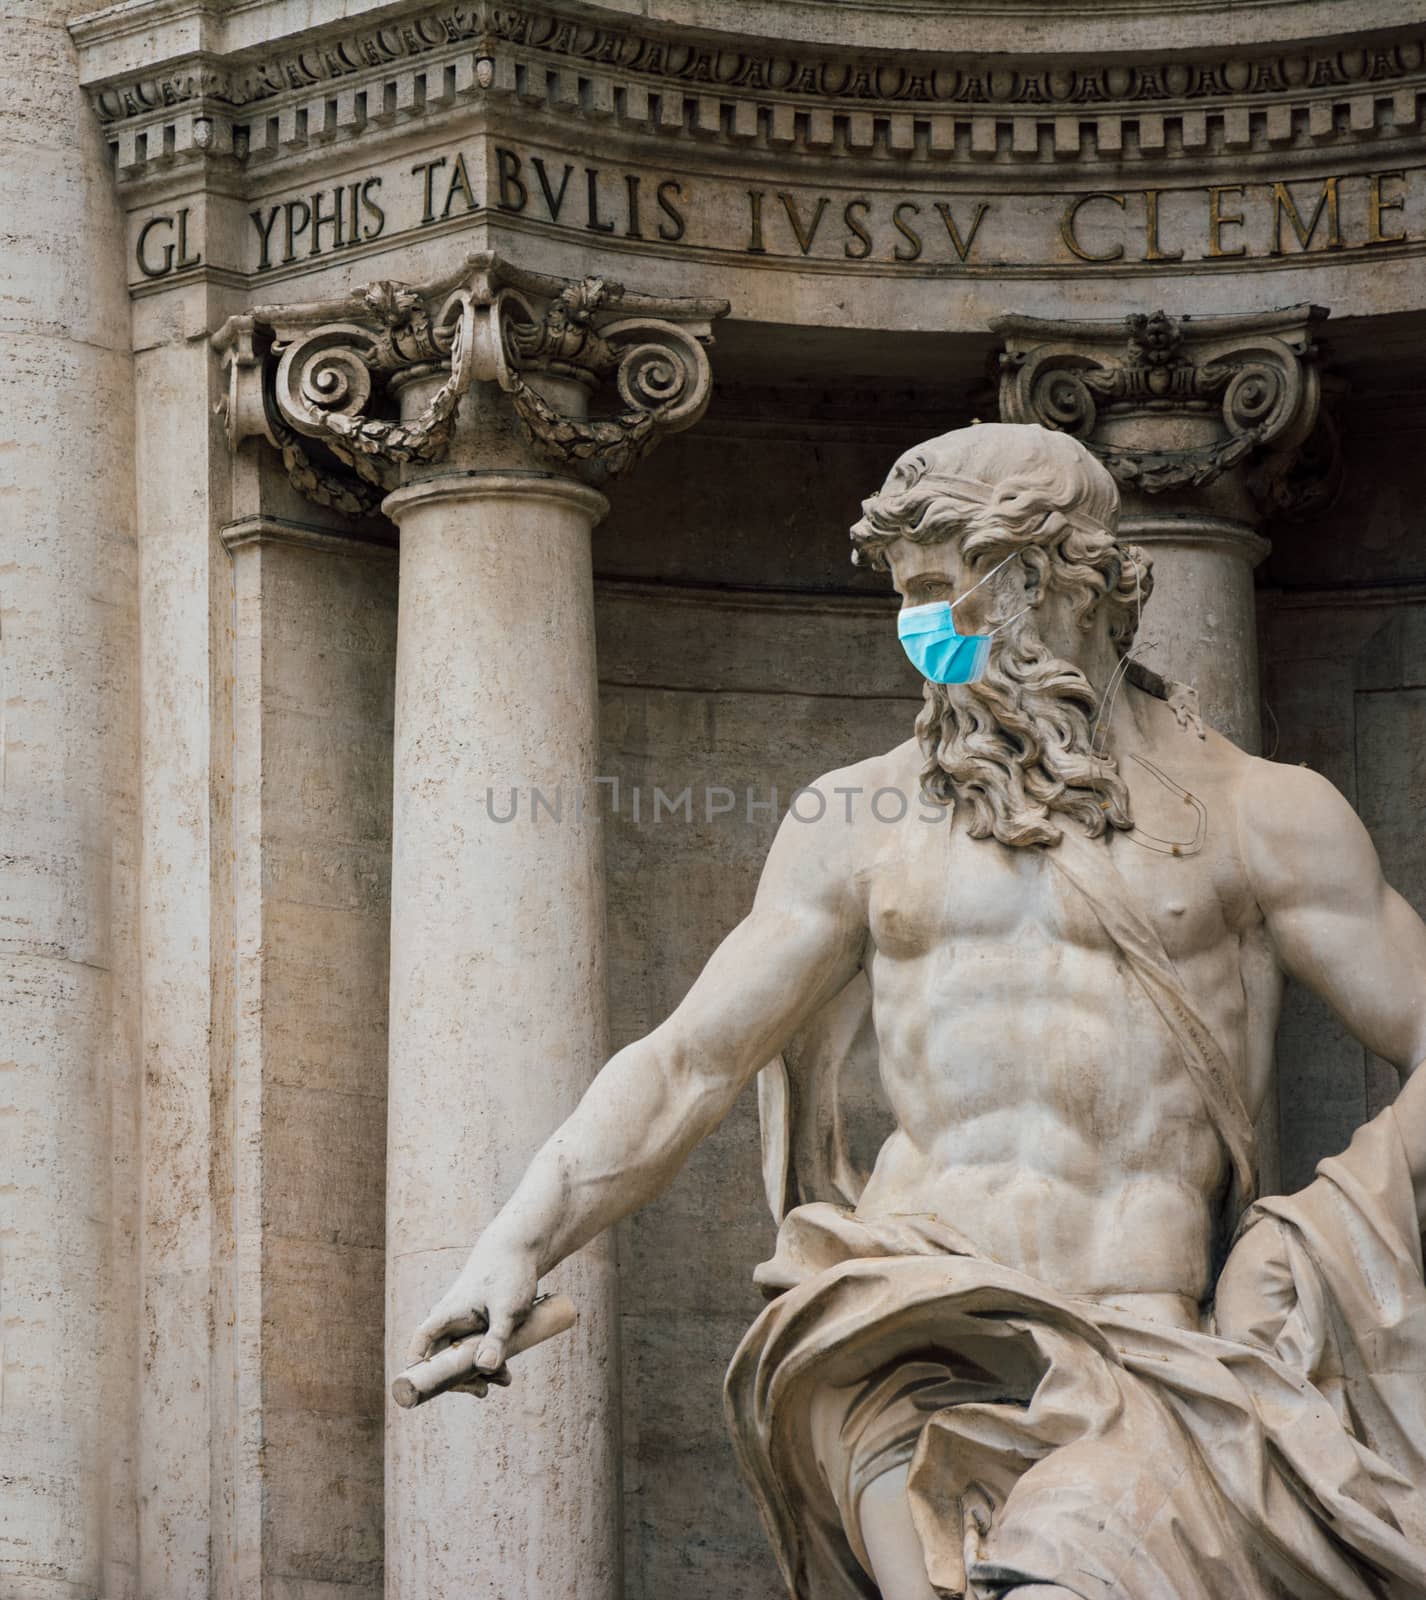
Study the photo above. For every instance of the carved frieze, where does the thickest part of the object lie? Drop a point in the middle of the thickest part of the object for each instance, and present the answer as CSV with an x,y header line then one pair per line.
x,y
820,76
263,105
1225,391
320,381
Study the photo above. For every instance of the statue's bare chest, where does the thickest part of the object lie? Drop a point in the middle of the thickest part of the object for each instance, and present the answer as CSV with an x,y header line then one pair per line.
x,y
935,890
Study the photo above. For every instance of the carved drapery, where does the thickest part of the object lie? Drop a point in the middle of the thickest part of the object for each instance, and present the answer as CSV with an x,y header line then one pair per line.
x,y
320,381
1171,404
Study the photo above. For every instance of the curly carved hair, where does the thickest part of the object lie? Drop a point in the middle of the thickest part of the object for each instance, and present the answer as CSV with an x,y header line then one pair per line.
x,y
1015,748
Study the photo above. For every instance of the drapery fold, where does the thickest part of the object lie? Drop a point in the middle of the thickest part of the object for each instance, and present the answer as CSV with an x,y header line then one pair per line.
x,y
1277,1454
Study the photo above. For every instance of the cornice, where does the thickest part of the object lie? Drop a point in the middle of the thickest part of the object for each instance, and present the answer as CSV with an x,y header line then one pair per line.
x,y
265,529
400,64
1104,30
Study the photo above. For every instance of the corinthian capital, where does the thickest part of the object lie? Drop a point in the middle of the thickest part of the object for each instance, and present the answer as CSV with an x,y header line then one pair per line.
x,y
1171,404
320,380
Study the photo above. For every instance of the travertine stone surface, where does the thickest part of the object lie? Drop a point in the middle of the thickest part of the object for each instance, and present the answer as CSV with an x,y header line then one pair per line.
x,y
495,690
314,658
493,369
69,848
888,170
194,740
191,1517
1210,637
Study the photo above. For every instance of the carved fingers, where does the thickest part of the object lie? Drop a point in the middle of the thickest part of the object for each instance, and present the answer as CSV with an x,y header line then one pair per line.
x,y
492,1295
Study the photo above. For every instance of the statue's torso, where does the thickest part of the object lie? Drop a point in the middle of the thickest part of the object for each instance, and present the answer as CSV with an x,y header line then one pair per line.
x,y
1043,1107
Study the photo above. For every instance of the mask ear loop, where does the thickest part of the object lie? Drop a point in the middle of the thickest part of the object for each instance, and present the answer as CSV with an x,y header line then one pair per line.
x,y
1121,671
999,625
986,579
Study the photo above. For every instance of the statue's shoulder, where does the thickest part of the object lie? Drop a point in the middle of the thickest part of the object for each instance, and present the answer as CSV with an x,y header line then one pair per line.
x,y
1283,793
1194,751
1295,825
825,845
1281,810
898,768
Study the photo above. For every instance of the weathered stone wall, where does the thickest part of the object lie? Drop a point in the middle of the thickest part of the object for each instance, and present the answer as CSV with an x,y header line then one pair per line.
x,y
1344,690
192,1072
315,640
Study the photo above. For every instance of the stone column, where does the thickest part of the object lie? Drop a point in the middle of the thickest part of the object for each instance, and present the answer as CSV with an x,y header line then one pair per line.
x,y
497,931
70,1046
497,1008
1200,421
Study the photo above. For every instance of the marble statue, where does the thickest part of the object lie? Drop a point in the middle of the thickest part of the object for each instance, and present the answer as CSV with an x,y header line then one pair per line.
x,y
1056,1345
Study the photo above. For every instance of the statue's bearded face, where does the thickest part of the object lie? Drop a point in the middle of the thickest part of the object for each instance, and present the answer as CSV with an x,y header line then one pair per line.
x,y
1016,747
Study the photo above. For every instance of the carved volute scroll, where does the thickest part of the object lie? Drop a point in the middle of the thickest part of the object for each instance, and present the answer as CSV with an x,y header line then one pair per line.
x,y
319,381
1229,391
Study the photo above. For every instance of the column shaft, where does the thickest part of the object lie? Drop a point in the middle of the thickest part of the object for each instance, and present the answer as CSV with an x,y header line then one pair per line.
x,y
498,1021
69,1043
1203,628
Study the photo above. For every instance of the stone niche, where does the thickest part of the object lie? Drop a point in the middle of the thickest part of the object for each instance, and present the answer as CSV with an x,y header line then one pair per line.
x,y
856,244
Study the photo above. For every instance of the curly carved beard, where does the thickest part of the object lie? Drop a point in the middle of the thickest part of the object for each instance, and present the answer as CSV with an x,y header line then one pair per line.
x,y
1015,748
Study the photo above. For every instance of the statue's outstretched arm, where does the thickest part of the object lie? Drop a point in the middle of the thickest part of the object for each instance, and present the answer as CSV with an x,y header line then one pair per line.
x,y
656,1099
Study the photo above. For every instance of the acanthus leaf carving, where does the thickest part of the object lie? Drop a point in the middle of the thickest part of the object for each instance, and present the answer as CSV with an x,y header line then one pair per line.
x,y
659,370
336,491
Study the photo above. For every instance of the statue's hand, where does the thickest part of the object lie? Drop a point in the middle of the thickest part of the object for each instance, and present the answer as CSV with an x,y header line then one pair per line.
x,y
493,1293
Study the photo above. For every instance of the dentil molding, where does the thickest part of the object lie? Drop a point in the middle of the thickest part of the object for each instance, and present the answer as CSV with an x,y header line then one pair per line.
x,y
171,89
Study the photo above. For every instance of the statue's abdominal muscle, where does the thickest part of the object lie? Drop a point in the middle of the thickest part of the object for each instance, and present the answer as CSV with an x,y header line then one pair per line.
x,y
1042,1105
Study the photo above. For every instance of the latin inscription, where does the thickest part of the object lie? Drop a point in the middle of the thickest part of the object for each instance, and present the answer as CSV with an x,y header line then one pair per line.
x,y
163,245
318,222
1252,220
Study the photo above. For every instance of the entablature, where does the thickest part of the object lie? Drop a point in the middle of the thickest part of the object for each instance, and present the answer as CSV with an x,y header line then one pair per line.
x,y
267,142
175,83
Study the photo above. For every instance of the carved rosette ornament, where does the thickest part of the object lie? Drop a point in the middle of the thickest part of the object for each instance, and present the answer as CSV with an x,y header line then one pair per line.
x,y
1173,404
320,381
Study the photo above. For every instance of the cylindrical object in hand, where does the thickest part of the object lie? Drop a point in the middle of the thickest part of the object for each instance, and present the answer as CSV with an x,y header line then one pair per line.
x,y
456,1363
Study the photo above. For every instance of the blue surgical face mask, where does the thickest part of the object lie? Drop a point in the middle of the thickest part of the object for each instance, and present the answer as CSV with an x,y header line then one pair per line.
x,y
928,635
